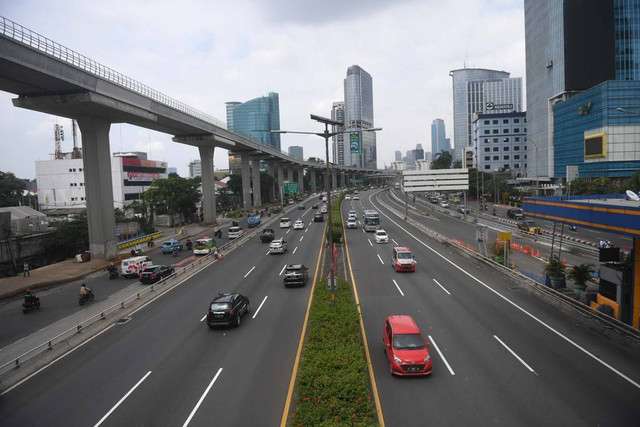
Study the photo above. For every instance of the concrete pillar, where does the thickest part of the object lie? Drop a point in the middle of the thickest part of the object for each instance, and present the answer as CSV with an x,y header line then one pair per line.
x,y
312,175
246,183
96,161
255,169
281,183
334,180
209,214
301,180
290,174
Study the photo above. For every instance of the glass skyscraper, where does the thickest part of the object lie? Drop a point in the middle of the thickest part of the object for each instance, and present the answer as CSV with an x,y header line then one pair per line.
x,y
626,14
338,146
297,152
358,104
256,119
439,141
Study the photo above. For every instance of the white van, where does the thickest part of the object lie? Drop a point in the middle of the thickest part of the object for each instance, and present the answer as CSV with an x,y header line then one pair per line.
x,y
131,267
235,232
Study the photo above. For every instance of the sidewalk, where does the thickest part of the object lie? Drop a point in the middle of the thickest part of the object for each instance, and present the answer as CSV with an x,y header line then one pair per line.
x,y
69,270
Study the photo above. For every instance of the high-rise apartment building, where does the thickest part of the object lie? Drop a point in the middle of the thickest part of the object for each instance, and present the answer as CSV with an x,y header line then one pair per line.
x,y
468,100
296,151
569,48
500,143
358,104
338,145
256,119
439,141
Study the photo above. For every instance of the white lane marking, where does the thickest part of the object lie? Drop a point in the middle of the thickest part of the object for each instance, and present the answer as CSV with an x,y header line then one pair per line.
x,y
288,230
515,355
362,231
441,355
261,304
306,229
394,242
186,423
301,238
268,252
294,251
397,286
205,316
381,261
54,361
438,283
249,272
122,400
285,266
369,240
541,322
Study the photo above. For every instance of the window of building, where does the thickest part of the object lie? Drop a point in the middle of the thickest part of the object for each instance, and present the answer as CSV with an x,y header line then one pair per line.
x,y
487,166
505,139
516,130
495,139
82,184
505,130
487,149
516,165
495,122
516,157
516,148
82,198
506,166
495,131
486,140
486,131
516,120
496,157
70,170
505,121
487,158
80,170
505,158
506,148
496,148
486,122
517,139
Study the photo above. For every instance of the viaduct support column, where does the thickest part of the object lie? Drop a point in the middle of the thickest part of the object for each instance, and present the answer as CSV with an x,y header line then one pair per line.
x,y
290,174
209,214
334,180
246,183
281,184
312,175
255,169
96,161
301,180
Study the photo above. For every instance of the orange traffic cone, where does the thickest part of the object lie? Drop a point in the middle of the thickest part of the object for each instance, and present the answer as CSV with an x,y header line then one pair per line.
x,y
564,262
538,253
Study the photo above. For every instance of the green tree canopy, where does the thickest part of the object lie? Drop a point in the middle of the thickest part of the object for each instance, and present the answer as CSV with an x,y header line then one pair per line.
x,y
442,160
11,189
174,195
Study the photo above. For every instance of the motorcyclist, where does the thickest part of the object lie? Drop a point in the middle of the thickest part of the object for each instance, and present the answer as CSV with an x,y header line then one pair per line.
x,y
111,268
84,290
175,252
189,244
29,298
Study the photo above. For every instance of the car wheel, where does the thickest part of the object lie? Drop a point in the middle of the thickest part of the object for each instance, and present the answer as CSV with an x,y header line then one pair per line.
x,y
238,320
246,309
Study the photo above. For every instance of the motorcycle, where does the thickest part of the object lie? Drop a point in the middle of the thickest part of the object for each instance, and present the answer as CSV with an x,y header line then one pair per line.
x,y
189,245
86,297
30,305
113,274
573,227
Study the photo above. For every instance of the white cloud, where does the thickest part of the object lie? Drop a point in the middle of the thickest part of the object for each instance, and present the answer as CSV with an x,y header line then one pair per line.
x,y
208,53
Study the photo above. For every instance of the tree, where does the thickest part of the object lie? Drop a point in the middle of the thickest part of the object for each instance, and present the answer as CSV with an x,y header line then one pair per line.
x,y
634,182
68,238
442,160
580,274
11,189
174,195
457,164
584,186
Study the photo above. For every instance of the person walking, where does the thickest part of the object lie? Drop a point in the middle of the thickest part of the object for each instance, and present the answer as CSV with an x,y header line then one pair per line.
x,y
25,271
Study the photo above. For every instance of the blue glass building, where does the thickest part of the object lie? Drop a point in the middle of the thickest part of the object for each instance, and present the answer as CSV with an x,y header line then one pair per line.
x,y
592,133
256,119
627,37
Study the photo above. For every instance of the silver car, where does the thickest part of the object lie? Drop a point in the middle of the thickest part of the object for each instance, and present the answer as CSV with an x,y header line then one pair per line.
x,y
278,246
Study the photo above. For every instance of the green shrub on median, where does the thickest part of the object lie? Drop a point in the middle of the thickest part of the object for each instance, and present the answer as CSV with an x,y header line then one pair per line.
x,y
333,382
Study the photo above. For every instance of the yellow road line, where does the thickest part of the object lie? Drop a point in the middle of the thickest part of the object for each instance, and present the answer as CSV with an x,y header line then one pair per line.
x,y
294,373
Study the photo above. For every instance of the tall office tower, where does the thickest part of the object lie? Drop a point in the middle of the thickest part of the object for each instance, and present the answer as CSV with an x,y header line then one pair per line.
x,y
296,151
338,148
195,168
410,159
358,104
256,119
627,39
464,101
438,138
569,47
398,156
419,152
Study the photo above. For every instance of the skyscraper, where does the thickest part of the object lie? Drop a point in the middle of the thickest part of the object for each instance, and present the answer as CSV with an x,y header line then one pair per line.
x,y
338,148
358,104
256,119
627,39
466,101
569,47
419,152
439,141
296,151
398,156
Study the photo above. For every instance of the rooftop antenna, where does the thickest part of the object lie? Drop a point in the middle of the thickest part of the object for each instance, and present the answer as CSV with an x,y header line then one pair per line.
x,y
58,135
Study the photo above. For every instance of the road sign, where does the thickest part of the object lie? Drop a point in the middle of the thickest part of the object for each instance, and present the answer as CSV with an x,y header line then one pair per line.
x,y
291,188
504,237
354,142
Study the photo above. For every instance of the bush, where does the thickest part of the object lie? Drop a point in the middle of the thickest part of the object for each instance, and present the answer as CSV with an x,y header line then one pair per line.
x,y
333,383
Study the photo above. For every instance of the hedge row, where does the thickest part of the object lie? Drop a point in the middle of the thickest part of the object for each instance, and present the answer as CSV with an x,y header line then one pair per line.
x,y
333,382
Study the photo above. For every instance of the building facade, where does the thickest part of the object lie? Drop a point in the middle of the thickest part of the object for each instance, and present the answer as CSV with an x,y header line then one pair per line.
x,y
500,143
592,134
398,155
463,102
338,144
627,39
439,140
358,104
195,168
256,119
296,151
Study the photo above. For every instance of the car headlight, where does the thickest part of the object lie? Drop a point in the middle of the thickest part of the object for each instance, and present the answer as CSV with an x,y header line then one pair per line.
x,y
397,359
426,359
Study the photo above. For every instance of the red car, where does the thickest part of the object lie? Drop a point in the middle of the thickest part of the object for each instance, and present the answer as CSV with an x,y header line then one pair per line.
x,y
405,347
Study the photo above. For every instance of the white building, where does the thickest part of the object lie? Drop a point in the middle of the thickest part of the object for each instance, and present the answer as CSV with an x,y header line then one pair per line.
x,y
397,165
61,182
423,165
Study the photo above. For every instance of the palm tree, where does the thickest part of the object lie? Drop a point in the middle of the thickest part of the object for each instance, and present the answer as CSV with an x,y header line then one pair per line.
x,y
580,274
442,160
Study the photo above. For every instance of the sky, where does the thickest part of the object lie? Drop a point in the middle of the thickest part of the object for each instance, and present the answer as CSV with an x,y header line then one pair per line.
x,y
206,53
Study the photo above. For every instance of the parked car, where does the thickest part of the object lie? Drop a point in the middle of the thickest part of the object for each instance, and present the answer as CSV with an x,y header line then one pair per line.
x,y
295,274
169,245
352,223
298,225
155,273
318,217
267,235
278,246
226,309
381,236
405,347
356,197
285,222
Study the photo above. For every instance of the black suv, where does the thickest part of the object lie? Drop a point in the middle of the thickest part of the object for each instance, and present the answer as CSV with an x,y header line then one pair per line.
x,y
295,274
515,213
226,309
155,273
267,235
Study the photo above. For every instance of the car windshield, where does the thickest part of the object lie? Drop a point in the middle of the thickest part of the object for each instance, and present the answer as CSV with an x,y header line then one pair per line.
x,y
294,270
407,341
150,270
381,234
404,255
219,305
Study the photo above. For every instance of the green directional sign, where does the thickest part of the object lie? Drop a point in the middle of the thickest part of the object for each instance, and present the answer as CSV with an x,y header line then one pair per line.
x,y
356,181
354,142
291,188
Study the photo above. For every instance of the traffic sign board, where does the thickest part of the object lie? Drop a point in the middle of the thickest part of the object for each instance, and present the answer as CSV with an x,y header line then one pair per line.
x,y
291,188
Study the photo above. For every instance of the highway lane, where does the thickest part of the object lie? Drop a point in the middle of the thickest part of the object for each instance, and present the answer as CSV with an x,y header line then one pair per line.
x,y
168,339
490,345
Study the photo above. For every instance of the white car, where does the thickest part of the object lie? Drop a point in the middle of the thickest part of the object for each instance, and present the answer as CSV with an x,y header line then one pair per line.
x,y
381,236
356,197
352,212
347,197
235,232
285,223
444,204
352,223
278,246
323,209
298,225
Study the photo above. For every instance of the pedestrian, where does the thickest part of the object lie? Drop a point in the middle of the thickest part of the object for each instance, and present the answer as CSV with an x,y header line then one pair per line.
x,y
26,269
133,252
